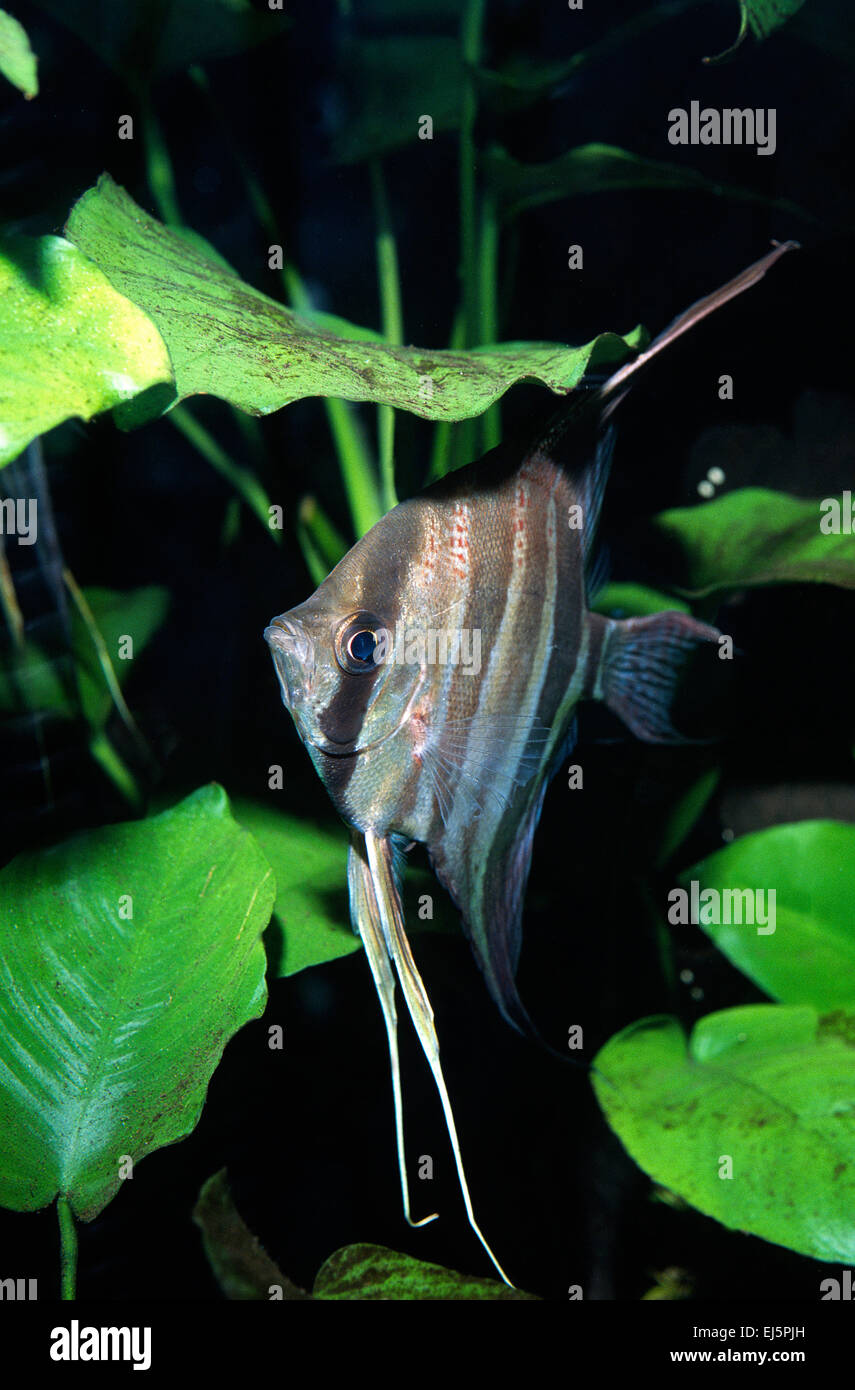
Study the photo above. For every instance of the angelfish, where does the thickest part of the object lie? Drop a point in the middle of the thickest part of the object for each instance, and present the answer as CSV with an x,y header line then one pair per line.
x,y
416,741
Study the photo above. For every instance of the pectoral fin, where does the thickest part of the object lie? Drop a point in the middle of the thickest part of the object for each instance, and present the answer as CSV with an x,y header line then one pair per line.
x,y
389,910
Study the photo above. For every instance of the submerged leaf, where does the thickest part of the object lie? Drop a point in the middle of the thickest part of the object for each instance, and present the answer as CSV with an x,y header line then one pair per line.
x,y
141,42
373,1273
752,1120
70,344
229,340
390,83
600,168
756,536
762,17
129,956
17,59
242,1266
809,958
311,922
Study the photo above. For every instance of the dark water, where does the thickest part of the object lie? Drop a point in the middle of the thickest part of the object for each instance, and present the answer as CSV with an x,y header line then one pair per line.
x,y
307,1135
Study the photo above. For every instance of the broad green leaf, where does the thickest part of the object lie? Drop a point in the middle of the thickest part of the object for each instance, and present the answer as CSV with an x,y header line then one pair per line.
x,y
69,343
373,1273
142,40
17,59
810,866
229,340
389,84
242,1267
311,922
770,1087
623,600
762,17
756,536
111,1026
599,168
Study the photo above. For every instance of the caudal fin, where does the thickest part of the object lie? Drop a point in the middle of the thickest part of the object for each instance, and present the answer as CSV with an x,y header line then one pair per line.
x,y
640,665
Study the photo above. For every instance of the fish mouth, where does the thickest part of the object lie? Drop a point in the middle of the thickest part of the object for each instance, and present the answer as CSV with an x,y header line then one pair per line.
x,y
291,649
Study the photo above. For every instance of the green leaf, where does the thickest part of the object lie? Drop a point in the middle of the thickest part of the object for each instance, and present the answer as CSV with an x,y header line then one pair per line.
x,y
769,1086
311,920
229,340
600,168
136,613
17,59
765,16
143,40
624,600
111,1027
684,814
810,866
762,17
69,343
373,1273
242,1267
755,536
389,83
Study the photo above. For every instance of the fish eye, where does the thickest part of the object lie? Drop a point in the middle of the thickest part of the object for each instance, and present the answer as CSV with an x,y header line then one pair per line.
x,y
356,643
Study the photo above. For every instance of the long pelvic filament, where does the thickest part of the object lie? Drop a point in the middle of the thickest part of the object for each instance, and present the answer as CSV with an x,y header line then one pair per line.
x,y
366,919
398,947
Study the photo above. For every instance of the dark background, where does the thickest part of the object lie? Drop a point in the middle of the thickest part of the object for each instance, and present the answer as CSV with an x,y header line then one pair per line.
x,y
307,1135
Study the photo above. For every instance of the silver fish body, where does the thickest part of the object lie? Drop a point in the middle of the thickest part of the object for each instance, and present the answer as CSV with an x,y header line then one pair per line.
x,y
416,740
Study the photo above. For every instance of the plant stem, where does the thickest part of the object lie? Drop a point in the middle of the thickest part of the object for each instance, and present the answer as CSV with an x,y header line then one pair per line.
x,y
243,480
488,278
445,431
470,40
354,457
68,1249
161,178
392,325
326,540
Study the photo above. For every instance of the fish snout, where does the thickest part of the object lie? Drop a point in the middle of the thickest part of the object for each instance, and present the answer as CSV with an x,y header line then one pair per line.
x,y
291,648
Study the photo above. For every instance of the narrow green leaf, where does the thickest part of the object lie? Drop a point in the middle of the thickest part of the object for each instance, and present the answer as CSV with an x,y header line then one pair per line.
x,y
770,1088
69,343
101,669
17,60
755,536
111,1024
375,1274
685,813
809,958
229,340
